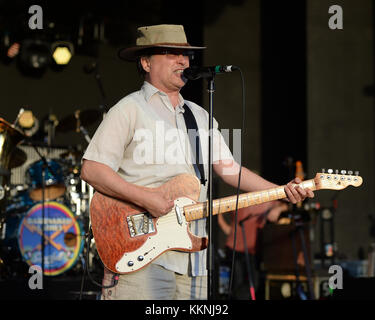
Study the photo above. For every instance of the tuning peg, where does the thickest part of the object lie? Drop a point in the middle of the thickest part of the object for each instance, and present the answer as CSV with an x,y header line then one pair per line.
x,y
356,173
343,171
350,172
336,171
330,171
323,170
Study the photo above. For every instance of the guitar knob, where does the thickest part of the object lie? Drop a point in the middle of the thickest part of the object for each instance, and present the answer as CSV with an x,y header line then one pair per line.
x,y
130,263
140,258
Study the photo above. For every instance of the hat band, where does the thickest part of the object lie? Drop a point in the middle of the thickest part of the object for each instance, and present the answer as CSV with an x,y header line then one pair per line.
x,y
167,44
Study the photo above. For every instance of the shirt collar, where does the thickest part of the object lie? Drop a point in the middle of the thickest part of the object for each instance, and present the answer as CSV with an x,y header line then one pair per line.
x,y
149,90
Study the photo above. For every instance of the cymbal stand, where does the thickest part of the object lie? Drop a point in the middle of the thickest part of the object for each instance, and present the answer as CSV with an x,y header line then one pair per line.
x,y
85,133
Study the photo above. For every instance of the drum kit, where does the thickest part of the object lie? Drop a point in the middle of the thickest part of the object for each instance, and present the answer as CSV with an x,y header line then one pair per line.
x,y
44,220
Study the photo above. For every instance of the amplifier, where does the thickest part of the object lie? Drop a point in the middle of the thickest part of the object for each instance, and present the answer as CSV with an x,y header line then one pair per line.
x,y
284,287
276,248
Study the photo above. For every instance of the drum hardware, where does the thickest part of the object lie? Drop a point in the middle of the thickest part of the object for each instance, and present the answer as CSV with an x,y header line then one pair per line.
x,y
85,134
79,195
72,155
49,126
78,121
80,118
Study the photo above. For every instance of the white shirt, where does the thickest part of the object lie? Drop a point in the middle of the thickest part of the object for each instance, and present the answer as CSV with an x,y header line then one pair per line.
x,y
144,139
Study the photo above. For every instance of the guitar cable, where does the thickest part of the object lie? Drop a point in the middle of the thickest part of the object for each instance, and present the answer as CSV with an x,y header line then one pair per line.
x,y
238,186
89,236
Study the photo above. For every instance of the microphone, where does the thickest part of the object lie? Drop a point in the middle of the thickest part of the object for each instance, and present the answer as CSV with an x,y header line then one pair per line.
x,y
194,73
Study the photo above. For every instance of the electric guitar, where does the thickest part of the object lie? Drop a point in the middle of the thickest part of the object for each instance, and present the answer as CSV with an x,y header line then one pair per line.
x,y
128,238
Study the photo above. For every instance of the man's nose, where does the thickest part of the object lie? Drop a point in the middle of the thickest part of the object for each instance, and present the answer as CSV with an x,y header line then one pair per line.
x,y
182,59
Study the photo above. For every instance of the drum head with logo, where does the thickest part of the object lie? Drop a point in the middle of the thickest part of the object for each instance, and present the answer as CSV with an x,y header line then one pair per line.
x,y
62,233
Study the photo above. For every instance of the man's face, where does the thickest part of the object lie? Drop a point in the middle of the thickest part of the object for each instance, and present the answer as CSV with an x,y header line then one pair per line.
x,y
164,71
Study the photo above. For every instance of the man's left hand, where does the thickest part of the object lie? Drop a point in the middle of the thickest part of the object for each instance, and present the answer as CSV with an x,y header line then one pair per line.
x,y
296,193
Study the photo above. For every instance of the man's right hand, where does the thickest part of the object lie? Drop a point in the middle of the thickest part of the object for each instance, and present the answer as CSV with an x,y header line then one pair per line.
x,y
156,204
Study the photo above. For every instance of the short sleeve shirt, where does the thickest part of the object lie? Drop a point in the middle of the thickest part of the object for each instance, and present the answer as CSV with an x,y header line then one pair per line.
x,y
144,139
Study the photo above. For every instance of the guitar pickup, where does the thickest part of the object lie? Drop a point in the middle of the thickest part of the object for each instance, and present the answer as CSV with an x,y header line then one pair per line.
x,y
140,224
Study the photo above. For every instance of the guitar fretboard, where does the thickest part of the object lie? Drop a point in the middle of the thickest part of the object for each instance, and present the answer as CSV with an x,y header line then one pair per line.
x,y
222,205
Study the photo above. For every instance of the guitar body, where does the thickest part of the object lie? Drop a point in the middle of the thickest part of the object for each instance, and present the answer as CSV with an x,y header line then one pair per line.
x,y
128,238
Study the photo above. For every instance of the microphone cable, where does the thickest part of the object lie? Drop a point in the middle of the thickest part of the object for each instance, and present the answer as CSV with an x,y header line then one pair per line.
x,y
239,184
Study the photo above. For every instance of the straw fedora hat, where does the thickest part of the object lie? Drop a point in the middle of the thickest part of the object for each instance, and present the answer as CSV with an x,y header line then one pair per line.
x,y
158,36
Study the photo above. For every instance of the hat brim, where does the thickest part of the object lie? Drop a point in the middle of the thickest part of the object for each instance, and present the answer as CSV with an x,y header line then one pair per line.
x,y
131,54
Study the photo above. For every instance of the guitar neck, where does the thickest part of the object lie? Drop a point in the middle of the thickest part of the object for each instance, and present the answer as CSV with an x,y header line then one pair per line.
x,y
222,205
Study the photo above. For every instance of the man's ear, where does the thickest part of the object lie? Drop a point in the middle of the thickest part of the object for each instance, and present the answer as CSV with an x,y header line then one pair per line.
x,y
145,63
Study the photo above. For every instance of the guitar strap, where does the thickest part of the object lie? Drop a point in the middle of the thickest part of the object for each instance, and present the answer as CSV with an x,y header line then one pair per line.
x,y
191,123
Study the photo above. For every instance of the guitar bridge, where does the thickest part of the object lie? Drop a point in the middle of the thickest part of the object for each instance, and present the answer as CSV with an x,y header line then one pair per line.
x,y
140,224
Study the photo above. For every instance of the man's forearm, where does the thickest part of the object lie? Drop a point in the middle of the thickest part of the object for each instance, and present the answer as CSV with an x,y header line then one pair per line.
x,y
250,181
103,179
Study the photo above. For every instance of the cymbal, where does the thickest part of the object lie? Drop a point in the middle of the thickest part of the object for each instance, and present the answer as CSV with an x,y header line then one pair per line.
x,y
10,137
17,158
15,133
78,119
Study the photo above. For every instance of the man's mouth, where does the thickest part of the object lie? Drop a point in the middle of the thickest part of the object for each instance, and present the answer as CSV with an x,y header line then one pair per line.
x,y
180,73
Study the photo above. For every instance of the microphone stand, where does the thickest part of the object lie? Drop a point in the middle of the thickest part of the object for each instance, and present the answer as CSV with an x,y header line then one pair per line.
x,y
94,68
210,251
44,167
103,106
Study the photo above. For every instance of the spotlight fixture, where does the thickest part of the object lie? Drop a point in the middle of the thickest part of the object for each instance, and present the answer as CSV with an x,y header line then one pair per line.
x,y
34,56
62,52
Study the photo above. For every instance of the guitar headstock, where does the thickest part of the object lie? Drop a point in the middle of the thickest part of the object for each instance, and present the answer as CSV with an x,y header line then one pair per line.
x,y
338,180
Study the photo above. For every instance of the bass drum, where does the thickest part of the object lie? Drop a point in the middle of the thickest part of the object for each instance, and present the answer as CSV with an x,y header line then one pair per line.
x,y
63,234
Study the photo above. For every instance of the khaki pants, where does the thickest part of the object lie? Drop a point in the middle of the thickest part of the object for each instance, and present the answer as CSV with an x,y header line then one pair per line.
x,y
154,283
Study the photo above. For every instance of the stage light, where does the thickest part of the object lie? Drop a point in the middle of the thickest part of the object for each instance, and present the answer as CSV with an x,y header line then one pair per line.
x,y
34,56
62,52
